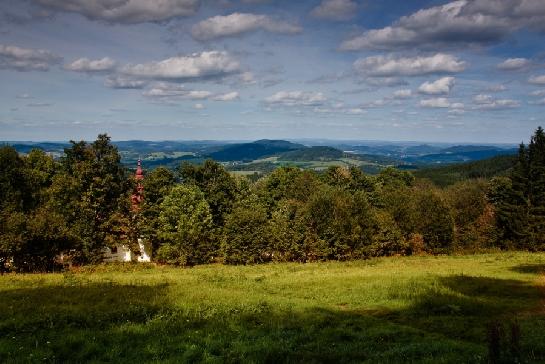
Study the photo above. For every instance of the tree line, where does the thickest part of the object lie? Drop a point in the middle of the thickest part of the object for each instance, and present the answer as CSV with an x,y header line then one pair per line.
x,y
200,214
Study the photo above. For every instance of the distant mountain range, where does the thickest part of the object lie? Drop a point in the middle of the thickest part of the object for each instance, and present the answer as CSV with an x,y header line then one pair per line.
x,y
405,155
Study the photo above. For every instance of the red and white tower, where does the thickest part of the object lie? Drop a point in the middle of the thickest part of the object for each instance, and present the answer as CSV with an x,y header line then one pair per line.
x,y
138,195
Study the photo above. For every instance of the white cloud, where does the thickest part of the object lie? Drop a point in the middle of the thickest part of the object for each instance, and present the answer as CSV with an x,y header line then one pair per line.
x,y
297,98
120,82
537,80
482,99
441,86
355,111
537,93
197,95
247,78
169,93
457,108
403,94
376,103
23,96
385,81
457,105
455,24
39,104
86,65
199,106
439,102
240,23
487,102
390,66
230,96
513,64
26,59
125,11
335,10
196,65
496,88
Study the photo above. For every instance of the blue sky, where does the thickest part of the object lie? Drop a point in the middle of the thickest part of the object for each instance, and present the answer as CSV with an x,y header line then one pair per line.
x,y
458,71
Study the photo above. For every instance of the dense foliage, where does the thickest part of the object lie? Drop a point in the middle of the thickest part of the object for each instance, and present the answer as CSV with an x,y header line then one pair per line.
x,y
450,174
198,214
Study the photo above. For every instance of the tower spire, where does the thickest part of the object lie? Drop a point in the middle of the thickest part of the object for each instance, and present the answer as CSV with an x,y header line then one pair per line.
x,y
138,195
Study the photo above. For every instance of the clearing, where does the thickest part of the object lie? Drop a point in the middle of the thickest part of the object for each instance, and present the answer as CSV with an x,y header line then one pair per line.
x,y
388,310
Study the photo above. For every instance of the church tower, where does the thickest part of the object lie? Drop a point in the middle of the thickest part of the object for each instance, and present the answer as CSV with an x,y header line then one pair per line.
x,y
138,195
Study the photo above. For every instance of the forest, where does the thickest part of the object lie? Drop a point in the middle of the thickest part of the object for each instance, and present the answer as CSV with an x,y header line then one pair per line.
x,y
199,214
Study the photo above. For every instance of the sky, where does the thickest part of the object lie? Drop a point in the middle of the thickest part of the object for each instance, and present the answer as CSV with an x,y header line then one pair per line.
x,y
437,71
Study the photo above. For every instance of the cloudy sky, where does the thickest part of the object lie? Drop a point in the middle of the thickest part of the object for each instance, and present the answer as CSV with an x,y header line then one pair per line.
x,y
421,70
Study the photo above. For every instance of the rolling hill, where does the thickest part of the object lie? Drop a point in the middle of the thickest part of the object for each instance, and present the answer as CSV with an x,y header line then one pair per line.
x,y
252,151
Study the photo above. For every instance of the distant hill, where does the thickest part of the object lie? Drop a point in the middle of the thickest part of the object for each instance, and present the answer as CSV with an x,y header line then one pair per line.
x,y
460,155
26,147
421,149
255,150
486,168
468,148
320,153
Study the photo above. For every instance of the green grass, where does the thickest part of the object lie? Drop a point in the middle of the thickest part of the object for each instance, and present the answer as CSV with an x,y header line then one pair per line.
x,y
390,310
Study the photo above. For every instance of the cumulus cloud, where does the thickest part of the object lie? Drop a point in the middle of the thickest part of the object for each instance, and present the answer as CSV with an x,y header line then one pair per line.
x,y
441,86
391,66
455,24
484,101
247,78
537,80
229,96
385,81
297,98
443,103
240,23
513,64
119,82
497,88
439,102
353,111
335,10
403,94
169,92
212,64
25,59
537,93
91,66
125,11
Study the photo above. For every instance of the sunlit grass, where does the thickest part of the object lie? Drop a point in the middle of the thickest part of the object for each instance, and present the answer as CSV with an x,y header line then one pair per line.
x,y
406,309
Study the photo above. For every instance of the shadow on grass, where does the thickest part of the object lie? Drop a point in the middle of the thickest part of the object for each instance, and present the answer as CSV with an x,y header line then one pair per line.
x,y
128,323
530,268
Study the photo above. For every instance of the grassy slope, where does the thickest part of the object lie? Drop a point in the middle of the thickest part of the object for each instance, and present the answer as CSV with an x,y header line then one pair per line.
x,y
411,309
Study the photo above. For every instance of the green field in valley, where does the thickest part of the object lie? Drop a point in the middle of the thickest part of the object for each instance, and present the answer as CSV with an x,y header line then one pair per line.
x,y
388,310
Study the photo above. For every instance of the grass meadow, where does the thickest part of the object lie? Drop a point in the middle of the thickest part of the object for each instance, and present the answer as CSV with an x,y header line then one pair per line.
x,y
445,309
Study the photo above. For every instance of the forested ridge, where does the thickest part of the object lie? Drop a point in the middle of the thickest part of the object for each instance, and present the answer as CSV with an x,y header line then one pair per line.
x,y
200,213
